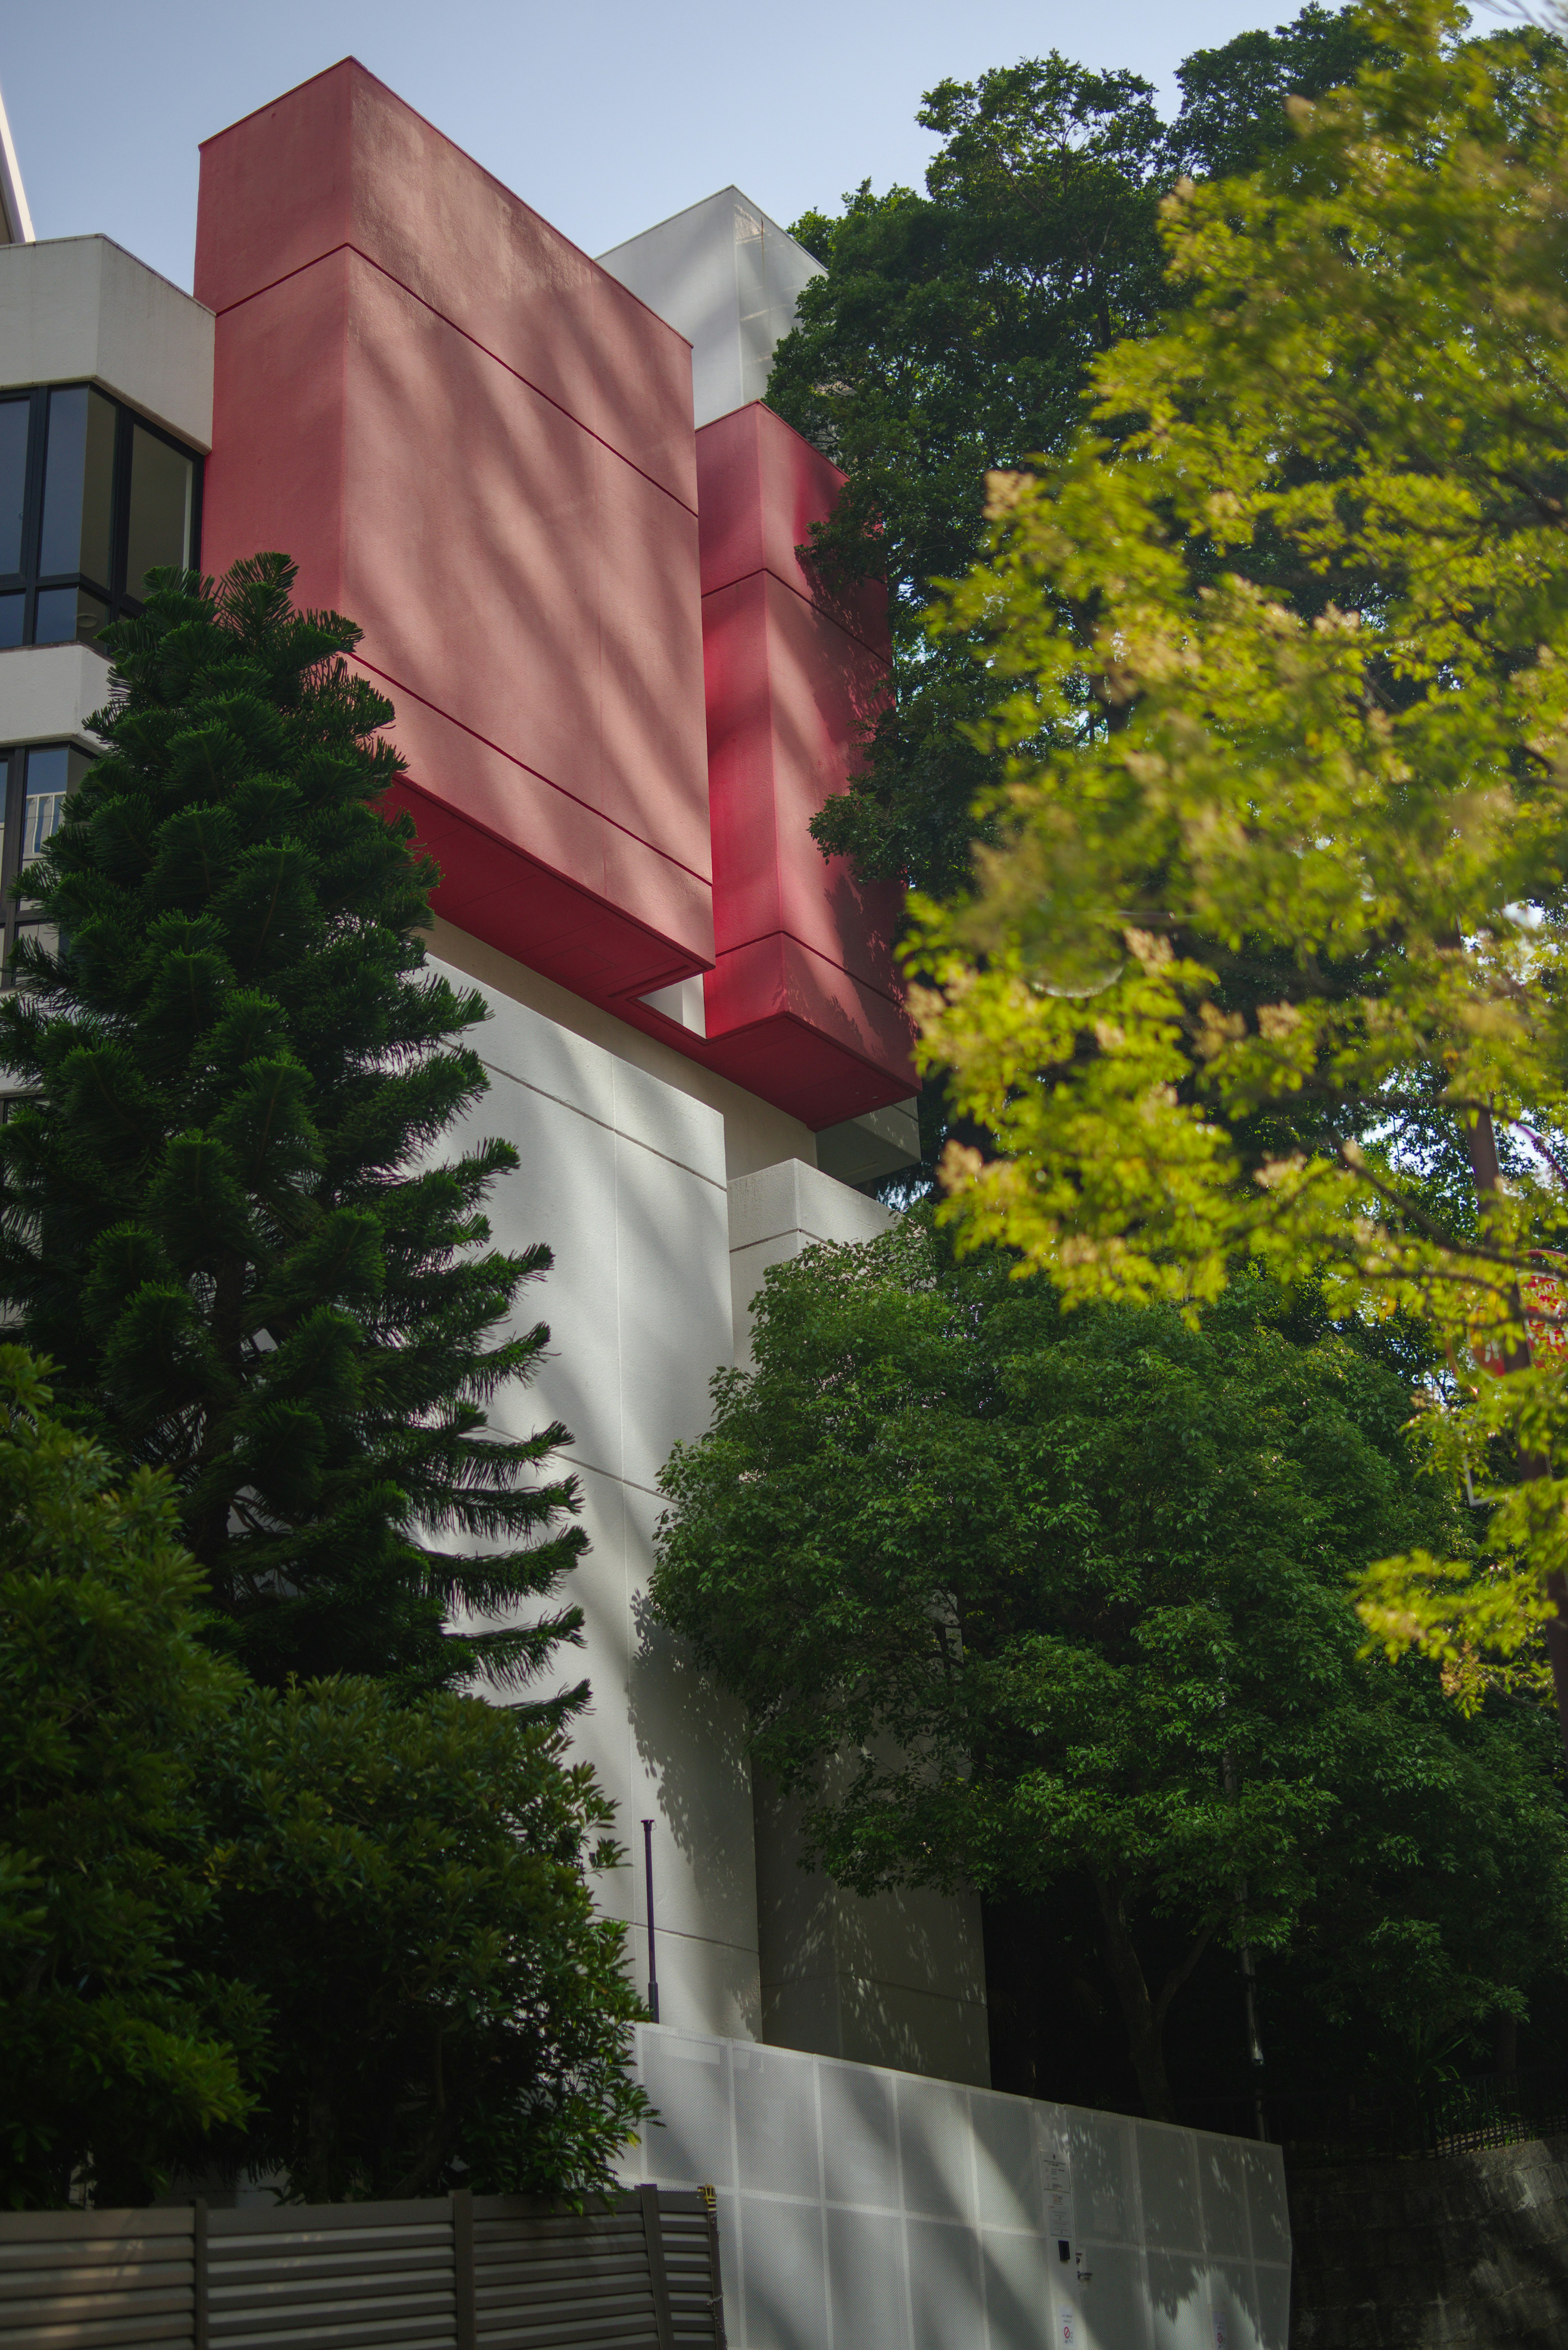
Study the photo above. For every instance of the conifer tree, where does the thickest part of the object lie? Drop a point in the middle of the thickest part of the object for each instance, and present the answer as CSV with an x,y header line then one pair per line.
x,y
222,1212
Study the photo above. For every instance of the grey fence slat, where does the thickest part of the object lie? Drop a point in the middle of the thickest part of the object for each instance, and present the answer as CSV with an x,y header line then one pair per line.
x,y
201,2336
429,2214
653,2237
637,2271
116,2275
83,2227
275,2278
91,2335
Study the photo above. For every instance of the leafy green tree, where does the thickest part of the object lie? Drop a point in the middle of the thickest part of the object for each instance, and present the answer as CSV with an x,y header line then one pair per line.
x,y
116,2057
1031,1601
222,1213
1202,782
1235,100
954,332
404,1889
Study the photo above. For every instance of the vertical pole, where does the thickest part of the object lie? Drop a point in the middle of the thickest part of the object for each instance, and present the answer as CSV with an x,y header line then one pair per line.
x,y
653,2237
1254,2043
715,2274
199,2316
653,1961
462,2267
1249,1978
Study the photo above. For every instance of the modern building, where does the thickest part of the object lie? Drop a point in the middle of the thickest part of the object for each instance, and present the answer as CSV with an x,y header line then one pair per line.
x,y
550,492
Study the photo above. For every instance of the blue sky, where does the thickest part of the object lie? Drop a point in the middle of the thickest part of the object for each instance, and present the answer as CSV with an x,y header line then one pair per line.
x,y
605,116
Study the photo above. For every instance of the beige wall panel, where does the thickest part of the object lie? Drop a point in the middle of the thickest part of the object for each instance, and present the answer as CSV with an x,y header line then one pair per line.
x,y
48,693
78,308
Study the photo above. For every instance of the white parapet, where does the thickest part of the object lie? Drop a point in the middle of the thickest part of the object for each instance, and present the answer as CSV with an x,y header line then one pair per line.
x,y
80,310
777,1212
866,2209
48,693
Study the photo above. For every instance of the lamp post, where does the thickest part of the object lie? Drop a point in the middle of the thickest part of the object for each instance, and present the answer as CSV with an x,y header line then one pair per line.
x,y
653,1961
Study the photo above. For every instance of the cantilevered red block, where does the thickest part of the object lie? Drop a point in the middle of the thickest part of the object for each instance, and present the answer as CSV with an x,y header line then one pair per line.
x,y
479,445
803,1004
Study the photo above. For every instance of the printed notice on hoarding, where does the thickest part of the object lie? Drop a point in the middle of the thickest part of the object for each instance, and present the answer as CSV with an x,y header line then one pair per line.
x,y
1061,2224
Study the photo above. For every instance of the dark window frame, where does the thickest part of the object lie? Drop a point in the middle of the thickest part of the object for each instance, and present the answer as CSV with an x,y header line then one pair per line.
x,y
29,581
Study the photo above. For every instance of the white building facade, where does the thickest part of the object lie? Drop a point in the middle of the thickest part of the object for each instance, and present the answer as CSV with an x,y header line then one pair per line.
x,y
690,1105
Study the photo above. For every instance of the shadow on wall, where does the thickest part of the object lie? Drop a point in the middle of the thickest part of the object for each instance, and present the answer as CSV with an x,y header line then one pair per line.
x,y
890,1979
1467,2250
690,1739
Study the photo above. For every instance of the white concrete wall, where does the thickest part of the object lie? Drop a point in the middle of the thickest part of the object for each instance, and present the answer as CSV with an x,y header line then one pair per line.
x,y
78,308
48,693
624,1176
726,277
865,2210
756,1135
777,1211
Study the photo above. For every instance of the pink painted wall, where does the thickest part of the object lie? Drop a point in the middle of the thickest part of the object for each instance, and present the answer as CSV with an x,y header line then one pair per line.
x,y
804,980
479,445
620,696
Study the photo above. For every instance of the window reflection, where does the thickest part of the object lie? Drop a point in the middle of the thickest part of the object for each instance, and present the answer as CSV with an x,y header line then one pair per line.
x,y
162,481
79,484
49,781
34,785
13,416
92,498
65,614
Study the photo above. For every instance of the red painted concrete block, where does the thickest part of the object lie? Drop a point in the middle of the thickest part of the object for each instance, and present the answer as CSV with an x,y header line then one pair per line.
x,y
803,1003
479,445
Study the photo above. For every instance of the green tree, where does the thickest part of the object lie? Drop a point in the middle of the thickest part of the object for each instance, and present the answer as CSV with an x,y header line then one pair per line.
x,y
221,1212
404,1888
116,2057
1203,783
954,332
1028,1601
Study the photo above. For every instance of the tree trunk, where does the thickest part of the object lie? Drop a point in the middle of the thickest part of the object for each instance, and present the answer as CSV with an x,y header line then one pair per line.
x,y
1145,2034
1505,2030
1480,1141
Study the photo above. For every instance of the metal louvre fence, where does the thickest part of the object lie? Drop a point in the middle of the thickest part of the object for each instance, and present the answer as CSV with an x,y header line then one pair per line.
x,y
633,2272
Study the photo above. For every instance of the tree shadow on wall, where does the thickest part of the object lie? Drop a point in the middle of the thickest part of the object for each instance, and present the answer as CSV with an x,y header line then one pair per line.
x,y
690,1739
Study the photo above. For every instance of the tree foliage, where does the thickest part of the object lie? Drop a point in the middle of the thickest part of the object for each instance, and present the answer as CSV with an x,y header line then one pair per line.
x,y
404,1889
222,1212
117,2057
1016,1599
1277,933
954,331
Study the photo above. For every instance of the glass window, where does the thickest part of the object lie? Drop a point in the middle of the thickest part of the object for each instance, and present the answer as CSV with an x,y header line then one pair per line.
x,y
91,499
48,780
162,481
13,416
37,784
64,613
79,484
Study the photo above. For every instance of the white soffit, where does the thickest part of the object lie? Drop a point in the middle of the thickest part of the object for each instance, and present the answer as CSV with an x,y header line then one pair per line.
x,y
728,278
15,218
